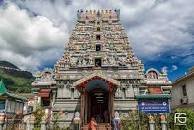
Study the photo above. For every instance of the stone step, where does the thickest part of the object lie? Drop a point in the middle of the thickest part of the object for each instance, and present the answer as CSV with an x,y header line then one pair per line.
x,y
101,126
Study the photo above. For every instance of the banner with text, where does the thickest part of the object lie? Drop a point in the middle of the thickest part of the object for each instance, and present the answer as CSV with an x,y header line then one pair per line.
x,y
154,106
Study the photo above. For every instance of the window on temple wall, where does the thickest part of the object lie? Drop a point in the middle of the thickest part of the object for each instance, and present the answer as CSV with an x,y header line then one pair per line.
x,y
98,22
45,95
98,47
17,107
97,37
12,106
98,62
143,90
124,94
72,92
184,89
98,28
45,102
2,105
166,91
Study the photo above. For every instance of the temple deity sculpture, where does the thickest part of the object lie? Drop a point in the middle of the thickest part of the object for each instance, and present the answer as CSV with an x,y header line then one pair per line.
x,y
118,93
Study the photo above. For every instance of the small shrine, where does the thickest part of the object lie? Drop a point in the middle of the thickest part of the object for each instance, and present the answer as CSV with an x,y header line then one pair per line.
x,y
156,92
44,87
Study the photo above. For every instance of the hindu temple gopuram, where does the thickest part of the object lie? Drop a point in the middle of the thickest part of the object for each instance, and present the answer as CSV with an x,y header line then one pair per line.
x,y
98,73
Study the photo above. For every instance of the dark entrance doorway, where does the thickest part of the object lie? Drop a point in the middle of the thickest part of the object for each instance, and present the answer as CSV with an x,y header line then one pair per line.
x,y
98,100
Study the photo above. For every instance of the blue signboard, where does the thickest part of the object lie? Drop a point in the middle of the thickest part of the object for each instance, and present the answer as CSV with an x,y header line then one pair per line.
x,y
154,106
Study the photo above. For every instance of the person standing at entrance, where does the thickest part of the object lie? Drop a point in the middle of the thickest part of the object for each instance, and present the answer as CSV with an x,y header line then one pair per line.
x,y
92,124
105,114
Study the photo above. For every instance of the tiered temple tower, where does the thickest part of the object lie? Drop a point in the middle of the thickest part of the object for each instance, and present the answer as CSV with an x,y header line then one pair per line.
x,y
99,73
98,53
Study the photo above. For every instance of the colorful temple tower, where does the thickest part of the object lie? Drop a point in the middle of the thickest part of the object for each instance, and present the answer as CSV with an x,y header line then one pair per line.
x,y
98,73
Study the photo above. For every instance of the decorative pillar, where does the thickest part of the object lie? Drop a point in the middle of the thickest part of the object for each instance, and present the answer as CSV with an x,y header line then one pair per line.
x,y
36,102
54,97
76,121
89,106
85,107
151,123
82,108
45,119
30,123
1,122
111,106
2,117
39,100
43,125
111,102
163,122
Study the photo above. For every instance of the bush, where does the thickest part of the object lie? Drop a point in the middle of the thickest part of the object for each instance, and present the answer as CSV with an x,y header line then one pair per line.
x,y
55,121
130,122
38,114
190,119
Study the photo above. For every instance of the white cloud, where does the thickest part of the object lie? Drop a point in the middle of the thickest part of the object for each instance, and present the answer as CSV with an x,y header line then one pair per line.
x,y
28,41
174,67
153,26
163,27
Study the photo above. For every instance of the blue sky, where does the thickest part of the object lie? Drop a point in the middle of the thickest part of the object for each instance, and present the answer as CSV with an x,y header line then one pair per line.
x,y
33,32
175,64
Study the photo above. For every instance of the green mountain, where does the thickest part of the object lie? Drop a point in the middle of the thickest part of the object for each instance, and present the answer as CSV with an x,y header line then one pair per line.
x,y
16,80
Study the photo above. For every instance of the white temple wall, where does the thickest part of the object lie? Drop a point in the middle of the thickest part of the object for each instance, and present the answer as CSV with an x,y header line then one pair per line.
x,y
63,92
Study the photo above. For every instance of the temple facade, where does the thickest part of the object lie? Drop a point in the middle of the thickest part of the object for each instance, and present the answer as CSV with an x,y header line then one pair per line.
x,y
98,73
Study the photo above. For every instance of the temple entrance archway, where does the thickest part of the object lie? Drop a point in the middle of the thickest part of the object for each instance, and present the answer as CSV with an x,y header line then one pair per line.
x,y
97,98
98,101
